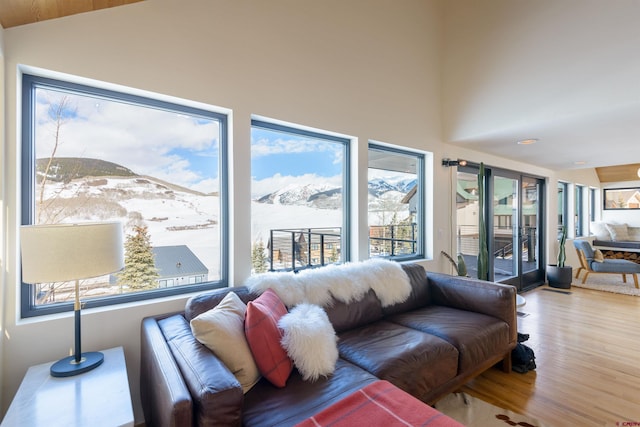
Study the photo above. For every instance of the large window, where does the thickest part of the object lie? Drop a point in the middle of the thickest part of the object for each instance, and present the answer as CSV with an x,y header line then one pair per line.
x,y
299,191
91,154
396,203
563,205
593,203
580,217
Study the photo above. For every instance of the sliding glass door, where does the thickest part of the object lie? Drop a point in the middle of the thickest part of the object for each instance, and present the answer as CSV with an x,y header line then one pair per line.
x,y
514,225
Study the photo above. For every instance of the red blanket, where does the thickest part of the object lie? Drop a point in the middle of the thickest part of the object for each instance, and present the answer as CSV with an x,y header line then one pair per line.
x,y
379,404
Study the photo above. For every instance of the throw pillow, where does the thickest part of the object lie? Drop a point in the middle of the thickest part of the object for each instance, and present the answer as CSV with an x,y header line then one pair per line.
x,y
263,335
221,330
618,231
600,231
598,256
310,341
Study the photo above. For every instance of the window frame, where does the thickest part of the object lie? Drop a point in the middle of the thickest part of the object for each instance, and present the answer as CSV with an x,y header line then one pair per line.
x,y
30,82
420,203
563,207
272,125
579,226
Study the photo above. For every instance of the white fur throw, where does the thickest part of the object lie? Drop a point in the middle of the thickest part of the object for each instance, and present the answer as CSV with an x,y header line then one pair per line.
x,y
345,282
310,341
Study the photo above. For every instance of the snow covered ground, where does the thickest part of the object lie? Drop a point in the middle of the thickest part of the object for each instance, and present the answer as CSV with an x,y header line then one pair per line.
x,y
175,215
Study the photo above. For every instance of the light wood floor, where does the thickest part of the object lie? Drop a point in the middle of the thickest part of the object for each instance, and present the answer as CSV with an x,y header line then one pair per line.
x,y
587,347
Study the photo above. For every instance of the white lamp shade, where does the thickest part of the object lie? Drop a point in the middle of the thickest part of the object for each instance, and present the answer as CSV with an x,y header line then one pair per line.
x,y
63,252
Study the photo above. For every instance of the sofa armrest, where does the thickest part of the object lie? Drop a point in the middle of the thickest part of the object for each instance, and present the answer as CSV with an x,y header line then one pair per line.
x,y
490,298
165,398
216,393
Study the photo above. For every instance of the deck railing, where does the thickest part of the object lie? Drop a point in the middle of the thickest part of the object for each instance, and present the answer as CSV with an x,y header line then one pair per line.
x,y
300,248
392,240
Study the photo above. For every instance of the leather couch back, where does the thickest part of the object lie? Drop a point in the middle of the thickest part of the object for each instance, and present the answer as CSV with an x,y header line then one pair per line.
x,y
358,313
420,295
206,301
342,316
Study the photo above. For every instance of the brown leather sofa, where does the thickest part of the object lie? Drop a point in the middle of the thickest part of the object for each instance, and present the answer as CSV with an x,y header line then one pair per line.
x,y
448,331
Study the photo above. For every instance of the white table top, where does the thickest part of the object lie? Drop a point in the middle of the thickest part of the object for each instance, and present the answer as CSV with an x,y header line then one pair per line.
x,y
100,397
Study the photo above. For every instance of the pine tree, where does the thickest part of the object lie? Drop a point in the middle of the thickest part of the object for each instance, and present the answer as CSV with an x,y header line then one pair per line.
x,y
258,258
139,271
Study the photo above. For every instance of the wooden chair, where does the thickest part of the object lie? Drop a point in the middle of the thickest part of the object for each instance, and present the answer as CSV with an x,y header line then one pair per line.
x,y
589,265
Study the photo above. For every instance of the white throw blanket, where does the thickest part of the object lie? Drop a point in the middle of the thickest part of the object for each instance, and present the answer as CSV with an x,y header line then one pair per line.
x,y
345,282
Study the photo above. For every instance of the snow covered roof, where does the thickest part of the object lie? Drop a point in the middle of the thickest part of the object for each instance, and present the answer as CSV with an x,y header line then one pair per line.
x,y
173,261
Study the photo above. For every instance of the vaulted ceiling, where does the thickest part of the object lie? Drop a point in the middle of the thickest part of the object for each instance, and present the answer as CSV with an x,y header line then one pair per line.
x,y
563,72
20,12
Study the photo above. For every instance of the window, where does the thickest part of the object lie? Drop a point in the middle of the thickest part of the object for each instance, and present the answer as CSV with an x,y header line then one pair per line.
x,y
92,154
593,203
563,205
396,202
580,218
300,200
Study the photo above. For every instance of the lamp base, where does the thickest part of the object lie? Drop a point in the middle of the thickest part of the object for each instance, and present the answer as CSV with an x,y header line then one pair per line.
x,y
68,366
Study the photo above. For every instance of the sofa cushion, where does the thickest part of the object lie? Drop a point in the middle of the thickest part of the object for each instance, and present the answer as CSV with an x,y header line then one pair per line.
x,y
216,393
477,337
299,399
410,359
264,336
221,330
419,296
309,340
600,231
618,231
345,316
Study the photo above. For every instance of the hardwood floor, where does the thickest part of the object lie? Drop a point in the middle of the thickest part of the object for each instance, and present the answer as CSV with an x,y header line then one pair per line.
x,y
587,347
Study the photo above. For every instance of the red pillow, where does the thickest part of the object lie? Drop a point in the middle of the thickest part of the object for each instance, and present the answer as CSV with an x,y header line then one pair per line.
x,y
263,336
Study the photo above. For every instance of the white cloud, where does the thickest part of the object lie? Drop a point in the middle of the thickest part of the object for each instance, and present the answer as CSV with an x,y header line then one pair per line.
x,y
148,141
265,146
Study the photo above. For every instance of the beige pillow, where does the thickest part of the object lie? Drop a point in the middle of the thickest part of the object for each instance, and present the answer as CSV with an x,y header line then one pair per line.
x,y
598,256
221,329
618,231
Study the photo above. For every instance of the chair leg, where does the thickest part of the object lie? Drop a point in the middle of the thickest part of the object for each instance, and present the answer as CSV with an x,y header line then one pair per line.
x,y
635,280
586,274
578,272
624,278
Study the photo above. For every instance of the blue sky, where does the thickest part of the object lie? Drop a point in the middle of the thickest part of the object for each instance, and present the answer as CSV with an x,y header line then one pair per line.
x,y
287,154
176,147
171,146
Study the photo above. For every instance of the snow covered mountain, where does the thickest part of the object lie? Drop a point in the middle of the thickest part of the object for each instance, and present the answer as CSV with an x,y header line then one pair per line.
x,y
325,197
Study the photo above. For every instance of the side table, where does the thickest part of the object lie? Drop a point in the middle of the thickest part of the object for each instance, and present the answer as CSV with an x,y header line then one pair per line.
x,y
100,397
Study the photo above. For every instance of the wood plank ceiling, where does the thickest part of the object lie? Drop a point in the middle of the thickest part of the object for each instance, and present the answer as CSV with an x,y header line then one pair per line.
x,y
20,12
619,173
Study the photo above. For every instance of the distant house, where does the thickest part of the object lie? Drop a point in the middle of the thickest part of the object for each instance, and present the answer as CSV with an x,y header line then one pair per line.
x,y
177,265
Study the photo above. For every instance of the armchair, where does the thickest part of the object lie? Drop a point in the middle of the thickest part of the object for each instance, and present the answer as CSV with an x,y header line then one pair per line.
x,y
590,264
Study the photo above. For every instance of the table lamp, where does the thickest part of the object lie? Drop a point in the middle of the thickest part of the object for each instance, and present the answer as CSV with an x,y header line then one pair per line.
x,y
65,252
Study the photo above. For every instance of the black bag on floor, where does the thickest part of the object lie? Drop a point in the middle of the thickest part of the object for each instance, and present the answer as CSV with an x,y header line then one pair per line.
x,y
523,359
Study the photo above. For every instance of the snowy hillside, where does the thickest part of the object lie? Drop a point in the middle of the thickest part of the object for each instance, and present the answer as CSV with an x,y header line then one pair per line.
x,y
177,216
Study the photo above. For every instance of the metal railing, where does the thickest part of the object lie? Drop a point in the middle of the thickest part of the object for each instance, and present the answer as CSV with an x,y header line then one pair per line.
x,y
392,240
302,248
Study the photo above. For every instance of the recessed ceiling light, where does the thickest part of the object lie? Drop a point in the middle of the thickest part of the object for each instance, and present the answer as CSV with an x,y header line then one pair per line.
x,y
579,162
528,141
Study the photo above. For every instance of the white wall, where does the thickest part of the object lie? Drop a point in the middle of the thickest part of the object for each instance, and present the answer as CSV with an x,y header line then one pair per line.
x,y
370,69
365,68
2,210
